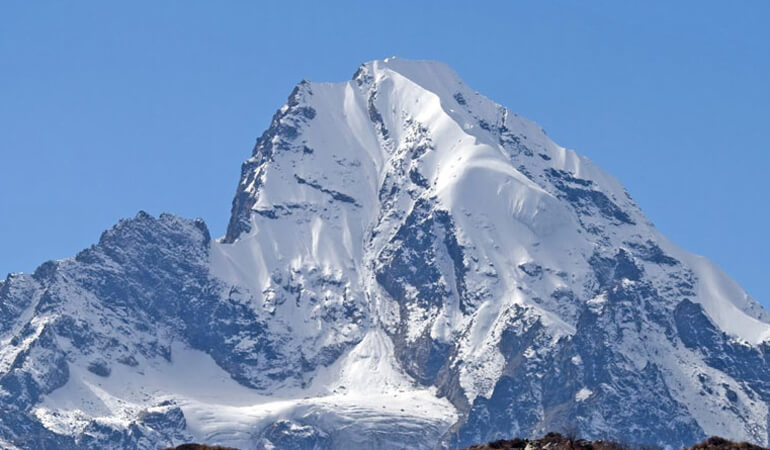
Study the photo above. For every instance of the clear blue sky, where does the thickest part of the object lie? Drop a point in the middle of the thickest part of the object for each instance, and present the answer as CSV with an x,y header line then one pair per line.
x,y
107,108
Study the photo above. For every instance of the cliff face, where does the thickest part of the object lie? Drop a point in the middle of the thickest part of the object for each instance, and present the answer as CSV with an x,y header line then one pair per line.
x,y
407,264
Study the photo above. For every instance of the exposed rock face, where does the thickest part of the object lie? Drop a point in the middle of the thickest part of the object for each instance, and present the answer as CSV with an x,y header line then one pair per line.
x,y
407,264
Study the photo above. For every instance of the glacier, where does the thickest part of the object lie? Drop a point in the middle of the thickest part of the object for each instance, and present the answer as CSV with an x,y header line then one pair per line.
x,y
407,265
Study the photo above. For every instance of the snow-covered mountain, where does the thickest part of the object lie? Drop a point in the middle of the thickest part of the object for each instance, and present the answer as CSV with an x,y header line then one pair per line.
x,y
408,264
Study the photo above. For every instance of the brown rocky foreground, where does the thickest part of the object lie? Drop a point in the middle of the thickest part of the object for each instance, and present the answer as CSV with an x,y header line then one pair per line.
x,y
199,447
554,441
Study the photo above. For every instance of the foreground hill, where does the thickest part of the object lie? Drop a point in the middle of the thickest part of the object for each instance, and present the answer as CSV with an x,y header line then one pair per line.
x,y
555,441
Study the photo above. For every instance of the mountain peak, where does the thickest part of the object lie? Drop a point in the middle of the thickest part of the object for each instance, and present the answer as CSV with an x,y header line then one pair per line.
x,y
414,127
402,228
423,72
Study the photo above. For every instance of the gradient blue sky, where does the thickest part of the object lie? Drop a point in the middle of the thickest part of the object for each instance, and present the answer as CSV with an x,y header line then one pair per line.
x,y
107,108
